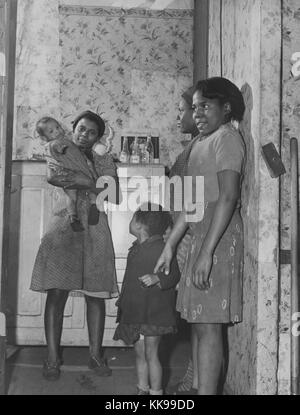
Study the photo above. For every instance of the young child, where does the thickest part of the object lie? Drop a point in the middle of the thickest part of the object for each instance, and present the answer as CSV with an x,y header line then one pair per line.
x,y
210,289
146,307
64,157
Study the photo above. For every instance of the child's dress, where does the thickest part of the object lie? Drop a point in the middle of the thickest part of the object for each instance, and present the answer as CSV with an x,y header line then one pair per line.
x,y
147,311
63,155
222,302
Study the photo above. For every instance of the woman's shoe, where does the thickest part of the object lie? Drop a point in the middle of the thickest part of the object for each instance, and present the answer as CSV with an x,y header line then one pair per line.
x,y
51,371
99,366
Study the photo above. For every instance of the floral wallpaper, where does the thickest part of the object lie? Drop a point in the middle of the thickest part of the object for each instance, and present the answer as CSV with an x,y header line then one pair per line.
x,y
129,65
37,90
235,54
290,128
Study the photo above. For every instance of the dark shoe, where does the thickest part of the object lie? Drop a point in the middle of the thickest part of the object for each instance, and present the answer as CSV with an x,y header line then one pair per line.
x,y
76,225
140,391
93,217
99,366
51,371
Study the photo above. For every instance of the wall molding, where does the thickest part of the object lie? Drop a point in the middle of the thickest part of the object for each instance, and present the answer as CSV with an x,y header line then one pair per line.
x,y
119,12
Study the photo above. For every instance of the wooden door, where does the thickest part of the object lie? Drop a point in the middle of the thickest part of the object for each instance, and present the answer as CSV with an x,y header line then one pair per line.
x,y
8,21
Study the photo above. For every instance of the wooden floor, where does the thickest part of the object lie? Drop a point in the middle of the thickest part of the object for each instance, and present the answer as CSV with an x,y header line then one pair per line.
x,y
24,371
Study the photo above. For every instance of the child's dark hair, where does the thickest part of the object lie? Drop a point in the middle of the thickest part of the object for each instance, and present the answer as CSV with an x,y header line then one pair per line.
x,y
224,91
154,218
40,125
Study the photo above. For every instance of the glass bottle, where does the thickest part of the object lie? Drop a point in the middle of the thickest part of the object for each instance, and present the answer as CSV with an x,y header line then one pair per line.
x,y
124,155
144,158
149,150
135,152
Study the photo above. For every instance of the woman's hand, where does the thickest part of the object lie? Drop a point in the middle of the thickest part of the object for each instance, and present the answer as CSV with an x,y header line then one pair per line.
x,y
149,279
78,181
164,261
201,270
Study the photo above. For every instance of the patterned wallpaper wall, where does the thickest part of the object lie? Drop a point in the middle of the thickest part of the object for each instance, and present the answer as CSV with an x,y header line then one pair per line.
x,y
130,65
290,128
38,60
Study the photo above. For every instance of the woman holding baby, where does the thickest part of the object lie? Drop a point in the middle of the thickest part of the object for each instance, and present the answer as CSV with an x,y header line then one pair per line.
x,y
84,261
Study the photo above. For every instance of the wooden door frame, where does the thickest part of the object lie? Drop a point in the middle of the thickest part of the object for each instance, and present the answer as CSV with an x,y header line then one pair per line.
x,y
201,32
6,135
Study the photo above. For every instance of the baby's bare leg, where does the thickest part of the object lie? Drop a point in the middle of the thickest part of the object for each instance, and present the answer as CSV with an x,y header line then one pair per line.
x,y
71,205
71,201
93,217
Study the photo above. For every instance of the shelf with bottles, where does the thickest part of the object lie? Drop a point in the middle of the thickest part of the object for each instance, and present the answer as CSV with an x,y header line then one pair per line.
x,y
139,148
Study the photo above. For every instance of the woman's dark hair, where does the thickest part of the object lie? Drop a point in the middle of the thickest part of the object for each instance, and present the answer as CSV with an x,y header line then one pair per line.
x,y
92,116
40,125
188,96
154,218
224,91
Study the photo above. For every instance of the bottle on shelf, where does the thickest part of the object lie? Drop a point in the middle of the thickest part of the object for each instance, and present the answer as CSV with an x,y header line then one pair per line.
x,y
135,157
124,155
144,158
149,150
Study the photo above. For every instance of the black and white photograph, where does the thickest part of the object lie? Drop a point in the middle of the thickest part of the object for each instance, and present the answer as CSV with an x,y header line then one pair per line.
x,y
149,200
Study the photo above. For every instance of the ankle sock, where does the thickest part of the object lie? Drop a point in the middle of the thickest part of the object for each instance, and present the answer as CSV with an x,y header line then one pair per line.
x,y
153,392
144,388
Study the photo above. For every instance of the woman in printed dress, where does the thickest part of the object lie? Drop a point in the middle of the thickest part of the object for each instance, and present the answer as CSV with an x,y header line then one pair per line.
x,y
84,261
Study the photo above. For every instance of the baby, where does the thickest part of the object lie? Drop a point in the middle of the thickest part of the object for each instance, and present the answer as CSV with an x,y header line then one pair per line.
x,y
64,157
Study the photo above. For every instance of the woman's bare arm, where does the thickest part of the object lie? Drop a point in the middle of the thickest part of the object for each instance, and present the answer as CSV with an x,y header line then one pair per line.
x,y
229,191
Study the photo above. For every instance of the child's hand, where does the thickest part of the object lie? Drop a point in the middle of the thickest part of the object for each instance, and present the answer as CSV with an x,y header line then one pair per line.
x,y
163,263
201,270
149,279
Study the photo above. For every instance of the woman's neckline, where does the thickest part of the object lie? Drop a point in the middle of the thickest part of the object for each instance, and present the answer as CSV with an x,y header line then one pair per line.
x,y
206,137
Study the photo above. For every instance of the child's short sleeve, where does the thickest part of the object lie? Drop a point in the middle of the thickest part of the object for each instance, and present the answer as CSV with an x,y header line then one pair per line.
x,y
230,151
56,148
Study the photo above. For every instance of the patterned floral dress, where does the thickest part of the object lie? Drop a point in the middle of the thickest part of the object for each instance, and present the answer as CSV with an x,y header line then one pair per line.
x,y
69,260
222,302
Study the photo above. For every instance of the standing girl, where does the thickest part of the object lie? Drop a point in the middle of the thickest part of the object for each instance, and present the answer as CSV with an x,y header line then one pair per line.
x,y
147,301
210,289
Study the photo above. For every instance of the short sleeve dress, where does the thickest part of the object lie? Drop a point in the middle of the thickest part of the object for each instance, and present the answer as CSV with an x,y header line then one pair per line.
x,y
82,261
222,302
